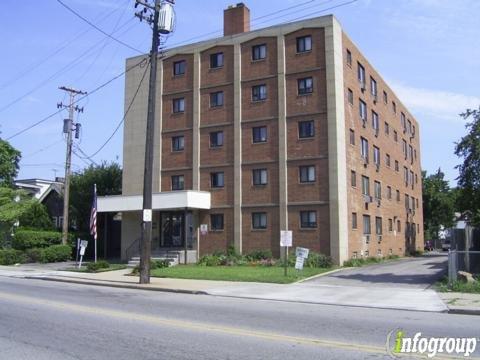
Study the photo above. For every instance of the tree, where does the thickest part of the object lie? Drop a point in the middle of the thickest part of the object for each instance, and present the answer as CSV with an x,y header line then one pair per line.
x,y
13,204
438,203
9,159
36,217
108,178
469,171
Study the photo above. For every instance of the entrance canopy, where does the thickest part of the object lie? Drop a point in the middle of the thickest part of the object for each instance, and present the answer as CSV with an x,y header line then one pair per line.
x,y
170,200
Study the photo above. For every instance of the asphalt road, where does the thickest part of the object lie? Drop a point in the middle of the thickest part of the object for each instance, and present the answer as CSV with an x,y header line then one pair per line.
x,y
413,273
47,320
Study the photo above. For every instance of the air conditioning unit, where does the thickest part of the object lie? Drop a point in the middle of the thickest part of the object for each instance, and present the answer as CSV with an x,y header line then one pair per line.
x,y
379,202
366,238
379,238
375,99
367,199
376,132
362,86
377,167
364,123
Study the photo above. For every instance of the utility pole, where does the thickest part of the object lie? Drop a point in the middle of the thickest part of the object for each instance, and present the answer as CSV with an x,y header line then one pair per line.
x,y
68,127
151,14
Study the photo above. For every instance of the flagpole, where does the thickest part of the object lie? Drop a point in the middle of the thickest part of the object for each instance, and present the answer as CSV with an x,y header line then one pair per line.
x,y
95,236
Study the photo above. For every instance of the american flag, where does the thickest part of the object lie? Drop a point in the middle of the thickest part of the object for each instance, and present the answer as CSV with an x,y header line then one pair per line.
x,y
93,214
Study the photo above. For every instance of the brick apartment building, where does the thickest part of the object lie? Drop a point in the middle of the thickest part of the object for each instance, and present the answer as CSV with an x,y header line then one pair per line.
x,y
287,127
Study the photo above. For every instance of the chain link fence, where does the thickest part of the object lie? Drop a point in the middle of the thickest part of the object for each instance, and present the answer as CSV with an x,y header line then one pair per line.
x,y
468,261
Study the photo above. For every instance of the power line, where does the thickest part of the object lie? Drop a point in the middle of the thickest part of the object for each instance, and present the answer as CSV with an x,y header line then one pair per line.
x,y
76,101
320,11
124,116
97,28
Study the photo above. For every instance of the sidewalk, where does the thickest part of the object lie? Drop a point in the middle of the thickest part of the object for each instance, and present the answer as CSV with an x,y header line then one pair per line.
x,y
462,303
384,298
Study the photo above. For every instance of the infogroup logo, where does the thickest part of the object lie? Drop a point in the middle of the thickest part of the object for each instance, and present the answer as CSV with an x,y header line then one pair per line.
x,y
398,343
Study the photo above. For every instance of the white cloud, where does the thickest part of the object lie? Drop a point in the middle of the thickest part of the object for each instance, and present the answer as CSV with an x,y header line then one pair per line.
x,y
437,104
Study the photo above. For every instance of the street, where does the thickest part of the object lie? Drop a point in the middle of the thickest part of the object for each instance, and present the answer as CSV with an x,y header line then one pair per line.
x,y
48,320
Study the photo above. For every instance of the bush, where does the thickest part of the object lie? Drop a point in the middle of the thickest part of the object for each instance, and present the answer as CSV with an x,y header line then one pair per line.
x,y
95,266
11,256
28,239
354,262
316,260
33,255
159,264
259,255
56,253
210,260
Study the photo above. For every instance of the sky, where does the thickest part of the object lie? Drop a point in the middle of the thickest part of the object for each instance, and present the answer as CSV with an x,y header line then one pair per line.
x,y
428,51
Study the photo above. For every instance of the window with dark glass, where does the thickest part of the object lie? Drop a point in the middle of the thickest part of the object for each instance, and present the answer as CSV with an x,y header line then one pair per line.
x,y
216,99
259,134
390,225
259,176
387,128
352,137
178,143
375,122
307,174
216,60
354,220
259,52
179,67
378,190
361,74
259,220
376,156
306,129
389,192
178,182
216,139
365,185
216,221
378,226
304,44
366,225
364,148
353,178
305,86
178,105
362,108
308,219
217,179
259,92
349,58
350,96
373,87
387,160
385,97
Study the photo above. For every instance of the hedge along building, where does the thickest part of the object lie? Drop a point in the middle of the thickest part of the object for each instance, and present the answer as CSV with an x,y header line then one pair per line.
x,y
287,127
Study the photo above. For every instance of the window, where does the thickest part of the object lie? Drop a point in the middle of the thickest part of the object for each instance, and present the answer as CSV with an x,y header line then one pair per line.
x,y
308,219
307,174
306,129
415,154
361,75
216,222
390,225
389,192
365,186
366,225
399,226
395,135
403,122
378,226
409,127
259,176
375,122
216,99
376,156
259,52
407,202
353,178
373,87
259,220
410,153
216,60
398,195
394,107
217,180
349,58
385,97
354,221
387,128
304,44
350,96
352,137
179,105
405,175
305,86
259,134
178,143
216,139
396,166
362,110
179,67
378,190
411,178
387,160
413,130
178,182
364,149
259,92
404,149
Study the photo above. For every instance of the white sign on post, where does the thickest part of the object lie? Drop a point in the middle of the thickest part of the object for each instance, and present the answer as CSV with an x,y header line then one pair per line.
x,y
203,229
302,254
285,238
83,247
299,263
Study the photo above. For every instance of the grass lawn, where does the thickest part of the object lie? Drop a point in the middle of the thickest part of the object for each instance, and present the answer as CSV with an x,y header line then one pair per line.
x,y
84,269
267,274
458,286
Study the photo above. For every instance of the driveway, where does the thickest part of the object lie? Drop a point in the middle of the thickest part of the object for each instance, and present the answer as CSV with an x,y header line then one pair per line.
x,y
411,273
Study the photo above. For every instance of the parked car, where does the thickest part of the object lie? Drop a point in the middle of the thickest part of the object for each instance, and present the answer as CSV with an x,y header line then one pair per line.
x,y
428,245
446,245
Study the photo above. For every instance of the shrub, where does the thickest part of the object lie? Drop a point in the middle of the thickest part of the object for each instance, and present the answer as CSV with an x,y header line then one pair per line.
x,y
159,264
11,256
354,262
316,260
33,255
56,253
95,266
28,239
209,260
259,255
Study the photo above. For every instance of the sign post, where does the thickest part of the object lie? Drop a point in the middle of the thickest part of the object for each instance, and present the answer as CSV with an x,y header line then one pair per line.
x,y
286,242
301,254
83,247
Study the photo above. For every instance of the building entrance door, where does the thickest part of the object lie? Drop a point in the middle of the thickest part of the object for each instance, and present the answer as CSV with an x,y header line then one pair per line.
x,y
172,229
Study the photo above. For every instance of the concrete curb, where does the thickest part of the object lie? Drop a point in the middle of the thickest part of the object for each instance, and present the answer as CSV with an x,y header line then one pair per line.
x,y
322,274
118,285
465,311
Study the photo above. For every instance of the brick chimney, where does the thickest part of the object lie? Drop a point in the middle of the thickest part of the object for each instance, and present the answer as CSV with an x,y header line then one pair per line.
x,y
236,19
